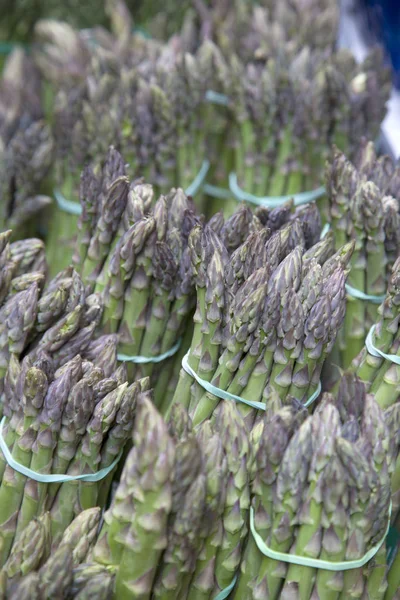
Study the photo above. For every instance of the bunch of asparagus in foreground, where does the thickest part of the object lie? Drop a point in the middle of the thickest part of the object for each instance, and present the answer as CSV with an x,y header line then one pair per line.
x,y
70,420
40,568
26,147
362,206
184,517
267,314
382,375
321,489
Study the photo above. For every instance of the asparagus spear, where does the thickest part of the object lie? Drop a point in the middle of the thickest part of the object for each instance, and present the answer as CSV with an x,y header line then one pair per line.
x,y
216,469
236,444
146,536
81,535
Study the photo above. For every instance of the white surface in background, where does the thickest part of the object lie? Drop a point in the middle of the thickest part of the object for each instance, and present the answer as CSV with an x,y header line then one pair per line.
x,y
350,37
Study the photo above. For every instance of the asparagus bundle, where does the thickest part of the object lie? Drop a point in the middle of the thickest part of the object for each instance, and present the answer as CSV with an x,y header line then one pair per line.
x,y
70,420
243,27
382,375
178,520
330,501
32,571
146,101
26,147
361,207
268,314
290,106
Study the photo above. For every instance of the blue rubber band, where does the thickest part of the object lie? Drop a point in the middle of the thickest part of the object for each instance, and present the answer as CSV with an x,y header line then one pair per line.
x,y
325,230
224,395
217,192
68,206
374,351
198,180
316,563
8,47
217,98
50,478
141,360
355,293
273,201
226,591
74,208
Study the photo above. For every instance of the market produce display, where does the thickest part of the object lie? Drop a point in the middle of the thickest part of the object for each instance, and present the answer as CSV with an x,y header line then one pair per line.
x,y
199,306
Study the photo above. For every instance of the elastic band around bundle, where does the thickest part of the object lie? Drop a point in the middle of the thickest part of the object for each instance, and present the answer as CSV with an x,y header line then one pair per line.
x,y
68,206
355,293
194,187
8,47
316,563
50,478
217,192
273,201
74,208
226,591
374,351
325,230
224,395
142,360
217,98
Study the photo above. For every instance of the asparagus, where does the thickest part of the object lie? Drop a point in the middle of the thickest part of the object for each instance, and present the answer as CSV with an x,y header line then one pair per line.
x,y
360,210
278,427
146,536
210,536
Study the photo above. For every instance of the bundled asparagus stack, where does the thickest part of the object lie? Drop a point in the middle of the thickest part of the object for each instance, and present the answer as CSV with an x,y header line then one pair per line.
x,y
71,421
243,27
25,147
289,107
321,490
136,255
145,97
361,207
38,568
181,536
269,313
382,375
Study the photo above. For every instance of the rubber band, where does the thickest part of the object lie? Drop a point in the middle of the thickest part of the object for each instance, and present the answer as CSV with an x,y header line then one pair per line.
x,y
217,98
141,360
325,230
224,395
74,208
374,351
226,591
316,563
198,180
217,192
392,544
273,201
68,206
50,478
8,47
355,293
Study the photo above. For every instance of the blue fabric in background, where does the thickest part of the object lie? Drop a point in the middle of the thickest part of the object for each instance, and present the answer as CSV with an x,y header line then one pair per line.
x,y
383,21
